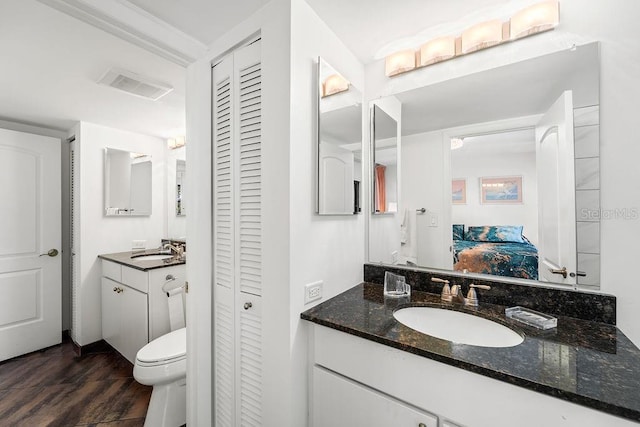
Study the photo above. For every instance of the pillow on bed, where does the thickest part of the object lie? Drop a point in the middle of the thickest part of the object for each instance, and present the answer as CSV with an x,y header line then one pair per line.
x,y
495,233
458,231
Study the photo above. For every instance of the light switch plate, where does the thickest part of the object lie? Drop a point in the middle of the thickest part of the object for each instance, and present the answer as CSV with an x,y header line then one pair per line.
x,y
312,291
433,219
138,244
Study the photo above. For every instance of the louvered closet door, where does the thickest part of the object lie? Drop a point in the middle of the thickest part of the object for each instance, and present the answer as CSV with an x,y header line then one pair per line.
x,y
223,233
248,150
237,162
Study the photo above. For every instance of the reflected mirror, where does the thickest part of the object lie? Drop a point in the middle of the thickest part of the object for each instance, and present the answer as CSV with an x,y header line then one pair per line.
x,y
500,173
385,162
176,189
181,171
339,143
127,183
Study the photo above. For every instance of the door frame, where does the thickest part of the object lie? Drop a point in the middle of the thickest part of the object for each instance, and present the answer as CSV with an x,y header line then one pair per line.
x,y
57,138
477,129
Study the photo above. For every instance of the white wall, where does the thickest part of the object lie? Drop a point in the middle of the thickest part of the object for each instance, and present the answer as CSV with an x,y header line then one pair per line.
x,y
324,248
613,23
497,165
423,156
302,247
100,234
272,22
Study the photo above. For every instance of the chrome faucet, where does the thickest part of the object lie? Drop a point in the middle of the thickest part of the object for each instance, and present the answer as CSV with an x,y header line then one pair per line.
x,y
177,249
472,297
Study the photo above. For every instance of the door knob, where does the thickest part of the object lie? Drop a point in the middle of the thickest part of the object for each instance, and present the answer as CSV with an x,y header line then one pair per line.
x,y
51,253
563,272
247,305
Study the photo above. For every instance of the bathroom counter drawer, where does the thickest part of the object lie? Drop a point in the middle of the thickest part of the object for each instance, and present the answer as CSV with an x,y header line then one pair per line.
x,y
112,270
136,279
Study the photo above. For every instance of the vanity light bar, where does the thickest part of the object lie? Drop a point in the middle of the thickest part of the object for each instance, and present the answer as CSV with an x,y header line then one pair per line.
x,y
177,142
534,19
481,36
333,84
400,62
437,50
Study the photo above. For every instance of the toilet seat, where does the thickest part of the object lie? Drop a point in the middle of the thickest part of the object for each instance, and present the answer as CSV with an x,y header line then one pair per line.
x,y
168,348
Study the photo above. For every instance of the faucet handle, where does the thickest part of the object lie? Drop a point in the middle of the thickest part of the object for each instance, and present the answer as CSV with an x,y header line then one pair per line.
x,y
446,291
472,297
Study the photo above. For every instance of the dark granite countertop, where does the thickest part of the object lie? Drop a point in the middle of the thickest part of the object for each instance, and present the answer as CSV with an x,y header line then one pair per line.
x,y
589,363
129,259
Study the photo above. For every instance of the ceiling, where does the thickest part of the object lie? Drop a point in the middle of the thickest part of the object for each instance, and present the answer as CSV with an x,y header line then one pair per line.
x,y
204,20
521,141
50,65
56,58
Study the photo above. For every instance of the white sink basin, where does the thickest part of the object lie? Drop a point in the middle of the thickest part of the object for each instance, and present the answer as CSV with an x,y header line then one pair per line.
x,y
457,327
152,257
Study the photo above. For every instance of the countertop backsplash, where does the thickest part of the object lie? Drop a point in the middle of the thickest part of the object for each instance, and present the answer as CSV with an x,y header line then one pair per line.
x,y
594,307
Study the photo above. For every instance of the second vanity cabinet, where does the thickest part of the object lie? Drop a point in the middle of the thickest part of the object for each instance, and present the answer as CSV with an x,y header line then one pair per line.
x,y
354,381
134,307
339,401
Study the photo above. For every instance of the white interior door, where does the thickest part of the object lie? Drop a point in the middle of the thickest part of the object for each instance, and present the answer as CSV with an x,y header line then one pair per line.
x,y
30,226
336,180
556,193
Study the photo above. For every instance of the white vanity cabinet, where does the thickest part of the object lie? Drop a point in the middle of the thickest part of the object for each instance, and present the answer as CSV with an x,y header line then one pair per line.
x,y
354,381
134,308
340,402
124,318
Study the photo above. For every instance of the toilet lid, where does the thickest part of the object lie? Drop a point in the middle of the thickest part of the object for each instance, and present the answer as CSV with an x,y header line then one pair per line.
x,y
165,348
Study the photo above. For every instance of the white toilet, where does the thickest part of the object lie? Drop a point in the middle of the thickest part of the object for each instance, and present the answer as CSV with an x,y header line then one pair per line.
x,y
163,364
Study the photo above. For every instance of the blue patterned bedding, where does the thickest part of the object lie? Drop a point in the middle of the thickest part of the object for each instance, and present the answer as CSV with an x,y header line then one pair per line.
x,y
498,258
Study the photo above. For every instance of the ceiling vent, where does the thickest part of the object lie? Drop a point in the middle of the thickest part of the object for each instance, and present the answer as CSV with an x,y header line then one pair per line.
x,y
135,84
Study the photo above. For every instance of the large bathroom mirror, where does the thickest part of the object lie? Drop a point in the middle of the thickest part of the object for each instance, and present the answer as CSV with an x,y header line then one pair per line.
x,y
339,143
500,173
384,136
127,183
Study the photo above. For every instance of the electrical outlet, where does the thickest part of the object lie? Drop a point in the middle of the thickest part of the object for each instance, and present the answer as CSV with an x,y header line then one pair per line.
x,y
394,257
138,244
312,291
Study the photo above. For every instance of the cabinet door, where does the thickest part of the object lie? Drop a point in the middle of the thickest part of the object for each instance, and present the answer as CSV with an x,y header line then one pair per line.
x,y
111,313
340,402
134,327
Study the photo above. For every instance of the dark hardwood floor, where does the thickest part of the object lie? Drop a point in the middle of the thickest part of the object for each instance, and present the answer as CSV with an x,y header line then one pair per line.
x,y
54,387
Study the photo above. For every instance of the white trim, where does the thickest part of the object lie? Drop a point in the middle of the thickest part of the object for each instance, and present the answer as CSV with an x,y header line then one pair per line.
x,y
136,26
476,129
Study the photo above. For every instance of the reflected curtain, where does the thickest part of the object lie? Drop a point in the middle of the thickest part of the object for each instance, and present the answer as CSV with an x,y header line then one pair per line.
x,y
381,193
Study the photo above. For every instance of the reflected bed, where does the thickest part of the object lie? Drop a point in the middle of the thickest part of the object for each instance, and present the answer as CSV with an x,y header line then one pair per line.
x,y
492,250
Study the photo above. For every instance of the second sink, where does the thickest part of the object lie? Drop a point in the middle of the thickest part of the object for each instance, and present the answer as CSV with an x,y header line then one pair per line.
x,y
151,257
457,327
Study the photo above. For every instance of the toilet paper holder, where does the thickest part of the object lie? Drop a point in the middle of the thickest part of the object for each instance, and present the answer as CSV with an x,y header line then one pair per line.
x,y
168,279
